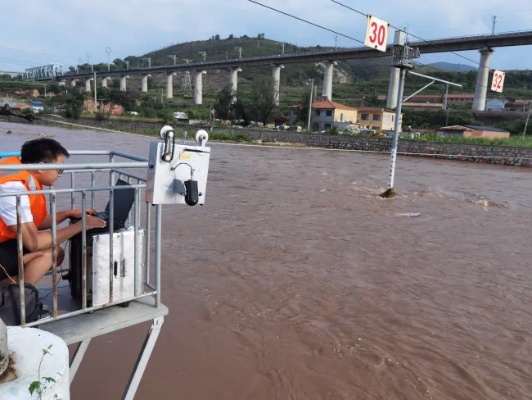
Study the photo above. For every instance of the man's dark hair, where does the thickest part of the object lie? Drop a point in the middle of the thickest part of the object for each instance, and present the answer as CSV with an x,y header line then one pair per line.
x,y
41,150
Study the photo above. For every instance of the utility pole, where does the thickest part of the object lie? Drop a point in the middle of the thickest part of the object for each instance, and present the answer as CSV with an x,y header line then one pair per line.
x,y
310,104
493,22
239,49
108,51
282,45
204,54
149,61
526,123
336,42
187,60
127,64
173,56
89,61
445,104
95,94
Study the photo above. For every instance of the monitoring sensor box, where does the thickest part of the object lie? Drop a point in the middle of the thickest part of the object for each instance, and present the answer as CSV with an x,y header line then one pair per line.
x,y
171,169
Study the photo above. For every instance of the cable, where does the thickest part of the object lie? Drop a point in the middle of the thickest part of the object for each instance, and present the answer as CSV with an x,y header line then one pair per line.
x,y
7,275
341,34
306,21
424,40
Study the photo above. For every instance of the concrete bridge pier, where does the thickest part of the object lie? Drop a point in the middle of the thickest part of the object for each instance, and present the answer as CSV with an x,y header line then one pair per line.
x,y
123,83
481,87
88,85
145,82
170,85
105,80
73,82
233,76
276,75
328,80
393,86
198,86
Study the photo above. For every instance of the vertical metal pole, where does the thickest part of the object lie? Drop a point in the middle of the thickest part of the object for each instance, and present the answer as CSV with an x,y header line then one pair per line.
x,y
93,183
72,186
526,123
53,211
148,242
445,104
136,254
83,251
158,230
310,104
20,267
95,94
395,139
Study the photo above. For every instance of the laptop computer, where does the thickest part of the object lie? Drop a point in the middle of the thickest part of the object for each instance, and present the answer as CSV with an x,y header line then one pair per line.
x,y
123,200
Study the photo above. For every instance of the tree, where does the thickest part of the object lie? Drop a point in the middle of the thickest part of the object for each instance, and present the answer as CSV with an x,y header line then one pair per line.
x,y
230,37
263,95
303,105
224,102
74,105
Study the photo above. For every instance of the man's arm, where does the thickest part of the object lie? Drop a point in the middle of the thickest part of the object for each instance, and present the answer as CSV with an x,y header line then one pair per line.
x,y
62,216
34,240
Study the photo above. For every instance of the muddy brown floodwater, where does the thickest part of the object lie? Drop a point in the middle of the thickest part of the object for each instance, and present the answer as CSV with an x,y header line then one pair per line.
x,y
296,281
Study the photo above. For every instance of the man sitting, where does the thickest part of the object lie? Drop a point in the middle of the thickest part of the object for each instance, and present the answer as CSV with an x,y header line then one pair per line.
x,y
34,219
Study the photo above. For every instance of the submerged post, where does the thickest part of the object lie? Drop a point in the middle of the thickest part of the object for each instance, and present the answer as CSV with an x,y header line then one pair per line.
x,y
401,58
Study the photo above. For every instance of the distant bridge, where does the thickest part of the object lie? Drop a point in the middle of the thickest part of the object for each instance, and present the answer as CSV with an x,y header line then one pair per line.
x,y
12,74
484,43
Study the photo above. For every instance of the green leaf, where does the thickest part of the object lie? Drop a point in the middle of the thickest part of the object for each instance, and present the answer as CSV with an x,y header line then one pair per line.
x,y
49,379
35,385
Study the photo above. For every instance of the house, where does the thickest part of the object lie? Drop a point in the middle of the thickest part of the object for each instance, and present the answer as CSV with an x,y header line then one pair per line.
x,y
379,119
473,131
325,113
294,112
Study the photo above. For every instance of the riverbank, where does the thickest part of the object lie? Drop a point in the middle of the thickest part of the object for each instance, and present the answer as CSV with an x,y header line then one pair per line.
x,y
477,153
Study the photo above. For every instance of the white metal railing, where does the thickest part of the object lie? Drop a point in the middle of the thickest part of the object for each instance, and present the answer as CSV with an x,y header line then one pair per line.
x,y
86,181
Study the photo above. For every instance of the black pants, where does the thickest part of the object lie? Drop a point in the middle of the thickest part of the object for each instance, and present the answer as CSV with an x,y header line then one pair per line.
x,y
9,258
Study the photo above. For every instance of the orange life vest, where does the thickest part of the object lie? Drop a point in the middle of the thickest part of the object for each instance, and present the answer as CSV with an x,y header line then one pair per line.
x,y
37,201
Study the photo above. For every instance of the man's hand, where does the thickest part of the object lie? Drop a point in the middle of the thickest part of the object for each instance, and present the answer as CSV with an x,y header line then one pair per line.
x,y
78,212
94,222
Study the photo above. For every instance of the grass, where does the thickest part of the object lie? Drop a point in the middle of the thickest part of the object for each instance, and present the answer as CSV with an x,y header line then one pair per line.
x,y
214,135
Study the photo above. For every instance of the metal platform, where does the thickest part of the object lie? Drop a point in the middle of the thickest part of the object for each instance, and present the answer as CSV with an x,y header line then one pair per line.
x,y
82,328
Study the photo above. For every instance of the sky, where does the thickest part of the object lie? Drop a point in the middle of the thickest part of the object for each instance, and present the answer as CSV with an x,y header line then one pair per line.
x,y
40,32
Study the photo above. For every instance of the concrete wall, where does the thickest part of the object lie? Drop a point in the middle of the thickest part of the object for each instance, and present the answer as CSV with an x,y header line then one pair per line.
x,y
345,115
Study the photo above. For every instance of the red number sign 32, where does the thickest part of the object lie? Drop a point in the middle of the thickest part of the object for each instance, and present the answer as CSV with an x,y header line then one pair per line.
x,y
497,83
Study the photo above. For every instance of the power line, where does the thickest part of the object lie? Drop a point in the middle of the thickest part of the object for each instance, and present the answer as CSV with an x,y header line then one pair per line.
x,y
341,34
423,40
306,21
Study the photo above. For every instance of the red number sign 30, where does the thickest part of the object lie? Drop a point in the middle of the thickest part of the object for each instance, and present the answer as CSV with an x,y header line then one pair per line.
x,y
376,33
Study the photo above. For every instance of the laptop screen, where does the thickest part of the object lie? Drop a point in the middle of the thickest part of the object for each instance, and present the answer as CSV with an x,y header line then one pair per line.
x,y
122,202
